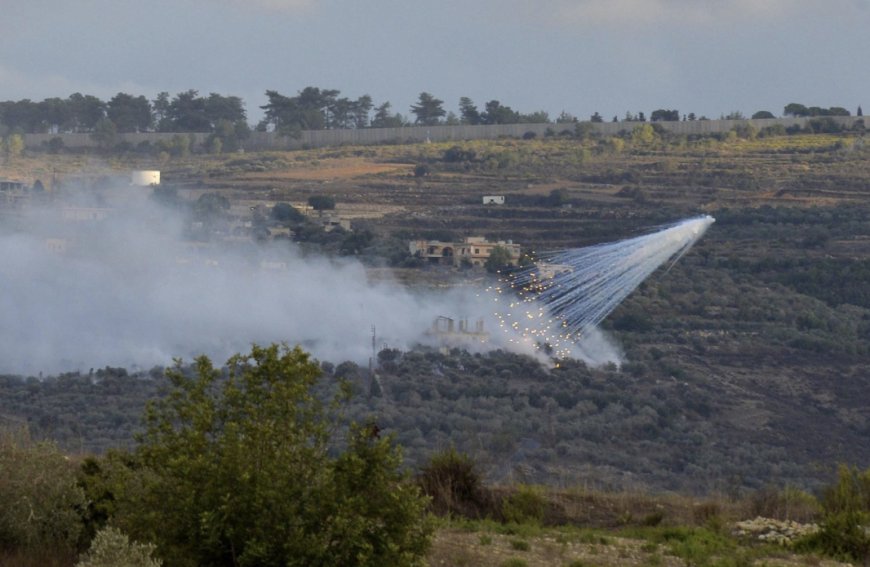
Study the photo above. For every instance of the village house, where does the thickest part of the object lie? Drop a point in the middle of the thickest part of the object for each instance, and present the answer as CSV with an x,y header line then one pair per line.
x,y
472,250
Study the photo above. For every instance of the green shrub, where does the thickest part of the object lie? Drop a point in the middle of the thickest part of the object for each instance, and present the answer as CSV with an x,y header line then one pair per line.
x,y
450,479
697,546
241,468
653,519
520,545
111,548
786,504
526,505
844,532
40,501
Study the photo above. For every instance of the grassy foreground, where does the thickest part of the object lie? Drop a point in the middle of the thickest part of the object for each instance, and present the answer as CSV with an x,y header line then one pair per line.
x,y
484,544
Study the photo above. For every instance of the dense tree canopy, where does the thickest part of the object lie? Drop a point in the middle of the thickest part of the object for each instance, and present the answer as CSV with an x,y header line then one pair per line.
x,y
799,110
468,111
496,113
428,110
129,113
245,467
384,118
666,115
763,114
315,109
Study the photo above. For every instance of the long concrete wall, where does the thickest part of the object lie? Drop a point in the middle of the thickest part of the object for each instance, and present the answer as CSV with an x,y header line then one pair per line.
x,y
414,134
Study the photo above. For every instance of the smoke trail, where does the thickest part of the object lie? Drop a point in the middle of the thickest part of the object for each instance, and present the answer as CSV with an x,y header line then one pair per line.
x,y
128,290
559,302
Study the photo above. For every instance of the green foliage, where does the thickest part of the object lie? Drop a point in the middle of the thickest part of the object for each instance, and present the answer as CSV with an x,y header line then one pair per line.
x,y
844,527
763,114
242,468
697,546
211,206
745,131
13,145
499,257
451,480
665,115
788,503
55,145
520,545
457,154
286,213
105,480
215,145
129,113
526,504
643,135
104,133
653,519
112,548
39,499
321,202
616,145
497,113
428,110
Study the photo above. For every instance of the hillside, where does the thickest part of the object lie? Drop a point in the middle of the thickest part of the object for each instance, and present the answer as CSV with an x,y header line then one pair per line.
x,y
746,364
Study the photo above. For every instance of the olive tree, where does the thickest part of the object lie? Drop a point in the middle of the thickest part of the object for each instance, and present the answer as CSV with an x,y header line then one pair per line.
x,y
246,466
39,497
499,257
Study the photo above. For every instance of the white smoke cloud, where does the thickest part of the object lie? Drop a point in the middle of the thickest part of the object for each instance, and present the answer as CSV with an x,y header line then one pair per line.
x,y
128,291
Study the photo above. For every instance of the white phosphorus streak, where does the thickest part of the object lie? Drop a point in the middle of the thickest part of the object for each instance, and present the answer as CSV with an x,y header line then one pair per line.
x,y
566,294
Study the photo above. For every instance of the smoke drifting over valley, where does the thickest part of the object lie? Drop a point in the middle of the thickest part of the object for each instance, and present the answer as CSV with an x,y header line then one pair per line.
x,y
88,286
127,290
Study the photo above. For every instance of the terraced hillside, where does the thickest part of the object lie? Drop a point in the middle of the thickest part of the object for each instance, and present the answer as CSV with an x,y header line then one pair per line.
x,y
747,363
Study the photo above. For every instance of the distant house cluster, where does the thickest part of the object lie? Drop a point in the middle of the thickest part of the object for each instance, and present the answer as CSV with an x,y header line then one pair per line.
x,y
473,250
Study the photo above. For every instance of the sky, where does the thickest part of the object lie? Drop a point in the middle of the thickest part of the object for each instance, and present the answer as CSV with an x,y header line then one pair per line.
x,y
710,57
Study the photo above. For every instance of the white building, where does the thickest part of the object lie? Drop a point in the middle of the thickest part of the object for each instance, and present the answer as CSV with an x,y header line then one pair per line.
x,y
145,178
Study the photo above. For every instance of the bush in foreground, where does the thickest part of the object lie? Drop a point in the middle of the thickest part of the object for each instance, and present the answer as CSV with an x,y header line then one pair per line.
x,y
845,526
39,498
111,548
451,480
242,469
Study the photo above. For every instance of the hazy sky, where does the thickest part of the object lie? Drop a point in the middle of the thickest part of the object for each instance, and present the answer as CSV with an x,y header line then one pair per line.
x,y
704,56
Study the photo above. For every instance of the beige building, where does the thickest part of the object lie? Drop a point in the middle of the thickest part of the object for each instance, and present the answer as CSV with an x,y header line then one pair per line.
x,y
474,250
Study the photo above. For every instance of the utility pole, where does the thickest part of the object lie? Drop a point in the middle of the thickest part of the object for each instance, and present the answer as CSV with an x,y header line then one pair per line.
x,y
372,361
